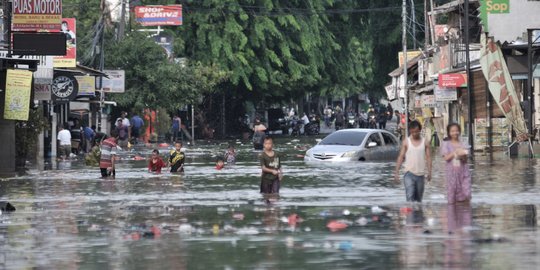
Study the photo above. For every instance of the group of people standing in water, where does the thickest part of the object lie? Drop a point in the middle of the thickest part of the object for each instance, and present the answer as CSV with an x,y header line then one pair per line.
x,y
415,156
108,152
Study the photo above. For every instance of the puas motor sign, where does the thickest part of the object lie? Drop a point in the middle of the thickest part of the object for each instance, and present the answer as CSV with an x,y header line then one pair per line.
x,y
37,15
159,15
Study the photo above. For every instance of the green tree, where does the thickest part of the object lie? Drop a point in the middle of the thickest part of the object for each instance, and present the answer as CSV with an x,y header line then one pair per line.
x,y
155,82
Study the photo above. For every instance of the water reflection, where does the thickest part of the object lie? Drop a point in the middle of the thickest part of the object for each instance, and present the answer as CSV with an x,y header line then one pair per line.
x,y
459,222
207,219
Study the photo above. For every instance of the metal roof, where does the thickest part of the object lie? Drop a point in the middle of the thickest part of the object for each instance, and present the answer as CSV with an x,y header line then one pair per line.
x,y
83,70
410,64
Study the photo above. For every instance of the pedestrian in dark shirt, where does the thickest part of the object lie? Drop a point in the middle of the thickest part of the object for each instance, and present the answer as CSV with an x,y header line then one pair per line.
x,y
136,126
272,173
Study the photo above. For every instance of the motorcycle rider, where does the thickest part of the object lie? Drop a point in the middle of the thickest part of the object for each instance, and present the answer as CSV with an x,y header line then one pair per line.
x,y
327,116
351,119
305,122
382,118
363,119
372,116
340,118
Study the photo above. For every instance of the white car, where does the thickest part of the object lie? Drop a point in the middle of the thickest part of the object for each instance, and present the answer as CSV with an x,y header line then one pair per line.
x,y
355,145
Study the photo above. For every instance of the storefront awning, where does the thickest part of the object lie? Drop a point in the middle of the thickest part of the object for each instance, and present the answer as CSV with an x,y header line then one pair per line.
x,y
81,70
450,7
427,88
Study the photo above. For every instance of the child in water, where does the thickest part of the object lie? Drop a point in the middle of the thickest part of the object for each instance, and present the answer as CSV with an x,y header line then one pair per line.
x,y
230,155
220,164
156,163
176,159
272,173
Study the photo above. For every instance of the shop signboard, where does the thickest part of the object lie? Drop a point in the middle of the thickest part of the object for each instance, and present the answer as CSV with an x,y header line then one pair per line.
x,y
37,15
453,80
18,93
159,15
444,94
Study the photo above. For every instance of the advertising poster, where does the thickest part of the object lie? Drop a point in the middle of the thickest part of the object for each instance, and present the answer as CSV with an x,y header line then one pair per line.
x,y
115,83
37,15
159,15
18,92
453,80
69,28
445,94
87,85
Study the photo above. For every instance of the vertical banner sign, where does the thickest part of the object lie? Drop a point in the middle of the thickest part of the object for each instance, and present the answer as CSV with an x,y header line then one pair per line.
x,y
501,86
390,92
69,28
37,15
18,92
421,72
159,15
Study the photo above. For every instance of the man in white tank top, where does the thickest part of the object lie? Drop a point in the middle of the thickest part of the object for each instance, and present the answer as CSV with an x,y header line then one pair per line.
x,y
416,153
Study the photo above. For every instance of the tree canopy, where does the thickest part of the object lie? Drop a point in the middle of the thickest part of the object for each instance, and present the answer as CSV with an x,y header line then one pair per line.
x,y
271,48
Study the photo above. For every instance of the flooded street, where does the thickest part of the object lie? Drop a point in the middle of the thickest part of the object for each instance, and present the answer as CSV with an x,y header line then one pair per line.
x,y
208,219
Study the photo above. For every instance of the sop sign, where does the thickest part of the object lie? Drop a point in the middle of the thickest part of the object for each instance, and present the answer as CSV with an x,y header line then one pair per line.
x,y
498,6
159,15
36,15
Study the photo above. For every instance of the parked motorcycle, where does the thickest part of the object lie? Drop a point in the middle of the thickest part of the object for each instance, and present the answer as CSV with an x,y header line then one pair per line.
x,y
372,122
351,121
295,124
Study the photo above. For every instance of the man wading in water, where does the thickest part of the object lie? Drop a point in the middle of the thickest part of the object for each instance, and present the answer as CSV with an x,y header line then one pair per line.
x,y
271,168
416,152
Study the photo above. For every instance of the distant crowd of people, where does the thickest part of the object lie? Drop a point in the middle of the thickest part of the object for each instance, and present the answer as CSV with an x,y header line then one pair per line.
x,y
374,117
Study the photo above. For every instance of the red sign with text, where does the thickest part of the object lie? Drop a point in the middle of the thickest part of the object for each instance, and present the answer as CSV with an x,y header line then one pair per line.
x,y
453,80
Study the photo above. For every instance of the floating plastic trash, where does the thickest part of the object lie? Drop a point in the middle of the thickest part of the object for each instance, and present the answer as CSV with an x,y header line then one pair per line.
x,y
238,216
377,210
336,225
362,221
293,219
185,229
247,231
346,212
345,245
405,210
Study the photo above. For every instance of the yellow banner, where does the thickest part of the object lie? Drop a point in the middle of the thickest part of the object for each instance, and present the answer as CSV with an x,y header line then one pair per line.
x,y
87,85
18,92
64,62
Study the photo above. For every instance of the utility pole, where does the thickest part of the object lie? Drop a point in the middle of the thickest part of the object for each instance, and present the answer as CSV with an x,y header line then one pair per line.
x,y
7,6
404,42
413,24
469,81
426,25
122,26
